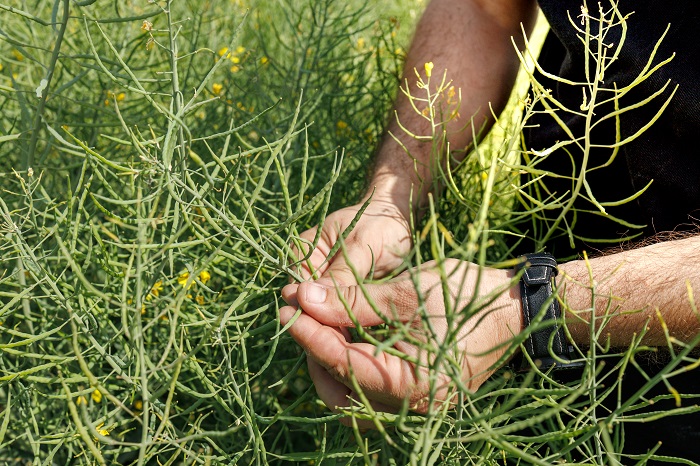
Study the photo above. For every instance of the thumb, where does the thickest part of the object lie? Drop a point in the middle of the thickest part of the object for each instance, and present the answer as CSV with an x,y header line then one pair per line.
x,y
340,268
378,303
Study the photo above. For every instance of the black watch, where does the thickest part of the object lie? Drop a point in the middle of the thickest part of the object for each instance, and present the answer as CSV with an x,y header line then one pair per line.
x,y
536,288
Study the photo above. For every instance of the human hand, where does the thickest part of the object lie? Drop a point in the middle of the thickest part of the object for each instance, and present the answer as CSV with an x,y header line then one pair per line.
x,y
381,236
479,333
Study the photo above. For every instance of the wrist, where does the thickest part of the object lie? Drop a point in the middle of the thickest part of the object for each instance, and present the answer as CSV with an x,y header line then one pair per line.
x,y
547,343
508,313
498,324
512,308
401,174
576,299
393,190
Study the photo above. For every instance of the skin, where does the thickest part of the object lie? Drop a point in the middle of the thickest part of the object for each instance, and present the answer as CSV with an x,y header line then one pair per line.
x,y
472,32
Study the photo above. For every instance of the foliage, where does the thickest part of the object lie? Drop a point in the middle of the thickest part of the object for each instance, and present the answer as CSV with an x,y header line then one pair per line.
x,y
158,159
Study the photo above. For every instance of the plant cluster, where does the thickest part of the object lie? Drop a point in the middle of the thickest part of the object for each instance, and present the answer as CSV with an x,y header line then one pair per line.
x,y
158,160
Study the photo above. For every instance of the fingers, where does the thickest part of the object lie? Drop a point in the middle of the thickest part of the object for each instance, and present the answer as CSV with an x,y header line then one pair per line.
x,y
380,239
326,302
337,266
339,397
315,260
333,393
385,378
361,259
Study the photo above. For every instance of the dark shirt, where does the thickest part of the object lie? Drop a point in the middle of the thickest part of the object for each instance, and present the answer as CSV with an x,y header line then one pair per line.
x,y
667,153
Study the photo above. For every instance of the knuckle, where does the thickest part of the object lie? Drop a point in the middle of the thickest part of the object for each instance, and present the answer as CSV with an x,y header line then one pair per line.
x,y
351,294
403,299
337,365
338,372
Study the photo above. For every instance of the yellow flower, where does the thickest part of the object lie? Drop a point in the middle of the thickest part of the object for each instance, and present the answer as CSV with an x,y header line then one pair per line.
x,y
147,26
199,299
138,405
360,43
240,49
1,67
235,69
204,276
235,60
17,54
118,97
101,431
223,51
157,288
428,68
341,125
96,396
217,88
182,279
81,401
263,61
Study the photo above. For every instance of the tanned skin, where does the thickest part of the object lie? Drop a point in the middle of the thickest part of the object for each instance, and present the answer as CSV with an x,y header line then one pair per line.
x,y
474,48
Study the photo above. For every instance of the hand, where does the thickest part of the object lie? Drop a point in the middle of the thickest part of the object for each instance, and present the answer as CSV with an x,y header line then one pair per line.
x,y
384,377
381,235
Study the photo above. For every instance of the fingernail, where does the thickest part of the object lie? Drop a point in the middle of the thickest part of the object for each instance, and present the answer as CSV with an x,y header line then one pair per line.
x,y
316,294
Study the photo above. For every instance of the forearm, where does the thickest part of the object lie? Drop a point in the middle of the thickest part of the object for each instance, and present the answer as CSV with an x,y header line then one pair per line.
x,y
470,41
631,286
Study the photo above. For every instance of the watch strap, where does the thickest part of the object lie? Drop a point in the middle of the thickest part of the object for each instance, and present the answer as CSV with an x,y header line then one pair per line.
x,y
536,291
